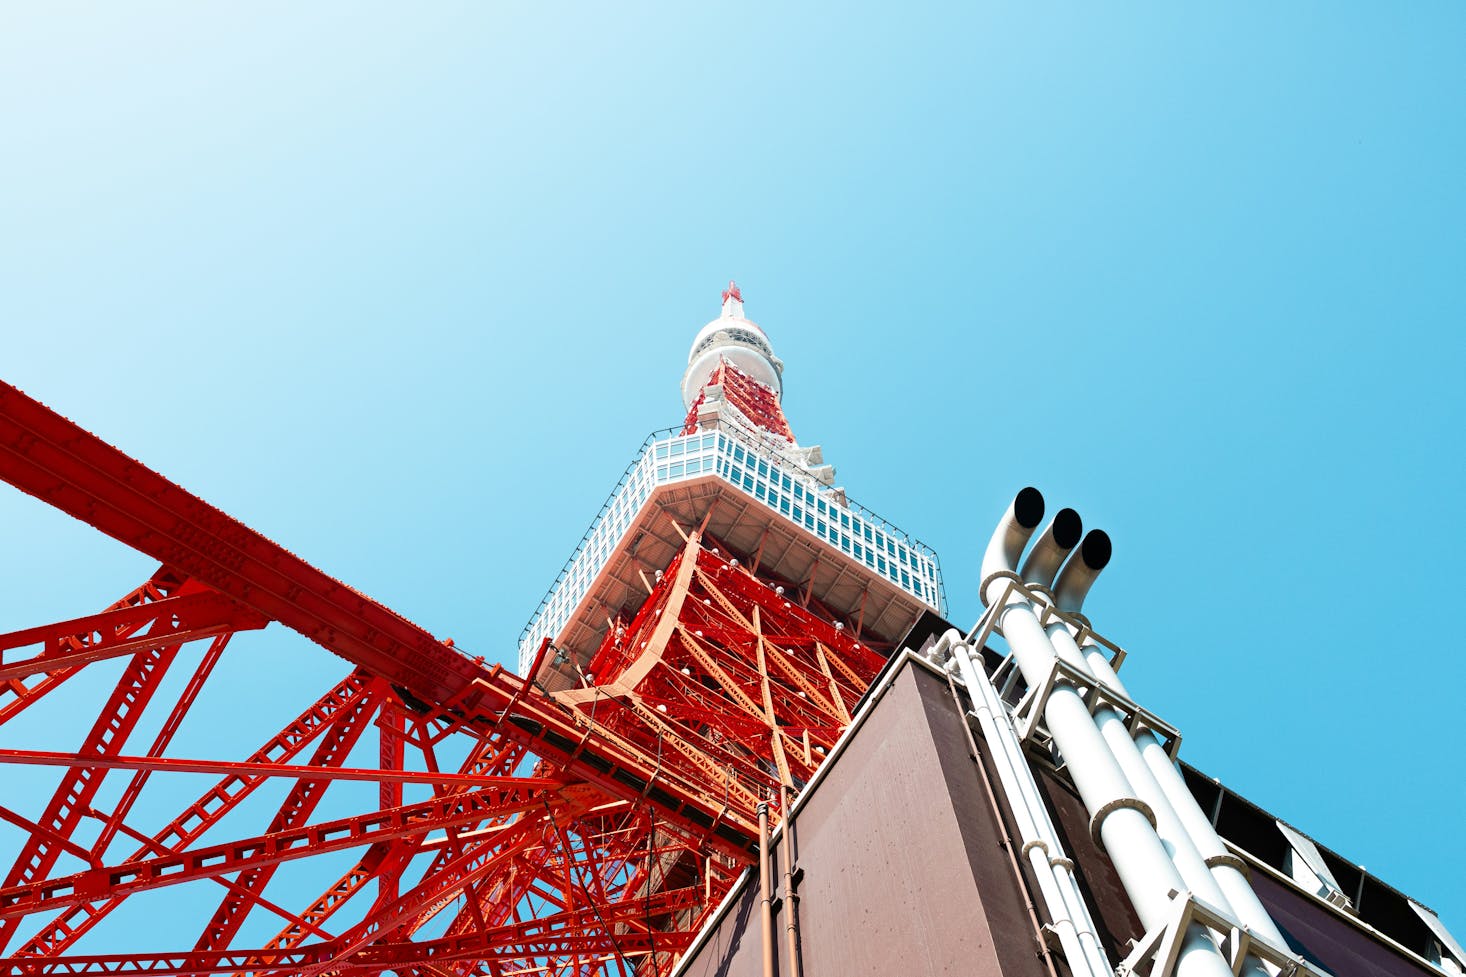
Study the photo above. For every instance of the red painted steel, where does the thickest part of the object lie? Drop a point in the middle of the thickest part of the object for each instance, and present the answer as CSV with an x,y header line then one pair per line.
x,y
590,831
754,400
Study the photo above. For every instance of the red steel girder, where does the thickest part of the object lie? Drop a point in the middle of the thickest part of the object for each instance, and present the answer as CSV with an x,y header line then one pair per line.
x,y
117,819
295,811
579,931
491,757
201,863
46,758
191,614
161,585
50,457
79,784
205,812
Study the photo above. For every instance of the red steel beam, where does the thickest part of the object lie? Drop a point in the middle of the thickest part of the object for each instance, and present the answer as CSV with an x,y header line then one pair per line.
x,y
55,460
118,818
489,946
73,796
293,812
207,811
206,862
164,583
47,758
112,634
48,456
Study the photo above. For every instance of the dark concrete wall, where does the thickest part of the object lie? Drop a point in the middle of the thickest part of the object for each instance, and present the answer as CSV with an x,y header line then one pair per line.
x,y
903,869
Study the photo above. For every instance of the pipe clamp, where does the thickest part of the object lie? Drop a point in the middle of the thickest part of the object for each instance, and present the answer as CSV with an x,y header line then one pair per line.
x,y
1017,586
1230,861
1134,803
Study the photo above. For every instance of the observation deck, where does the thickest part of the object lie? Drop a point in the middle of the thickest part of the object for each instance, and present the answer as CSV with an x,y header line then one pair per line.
x,y
762,504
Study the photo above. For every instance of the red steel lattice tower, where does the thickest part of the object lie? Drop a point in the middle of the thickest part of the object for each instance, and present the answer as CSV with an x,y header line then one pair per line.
x,y
700,654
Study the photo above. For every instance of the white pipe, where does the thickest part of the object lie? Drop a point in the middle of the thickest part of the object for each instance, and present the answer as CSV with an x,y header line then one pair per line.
x,y
1225,868
1080,572
1123,821
1210,870
1048,553
1068,913
1185,854
1023,516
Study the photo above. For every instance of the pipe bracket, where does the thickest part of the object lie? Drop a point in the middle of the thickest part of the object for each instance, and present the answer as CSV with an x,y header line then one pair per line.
x,y
1119,803
1158,952
1230,861
1015,585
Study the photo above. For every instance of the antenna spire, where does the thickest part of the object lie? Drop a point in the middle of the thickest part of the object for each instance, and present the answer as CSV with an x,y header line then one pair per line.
x,y
732,301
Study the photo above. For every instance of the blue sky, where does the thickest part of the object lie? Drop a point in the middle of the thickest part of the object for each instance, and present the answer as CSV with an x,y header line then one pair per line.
x,y
404,288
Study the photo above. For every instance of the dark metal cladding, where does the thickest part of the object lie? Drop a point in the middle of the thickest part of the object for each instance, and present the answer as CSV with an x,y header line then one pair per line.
x,y
902,868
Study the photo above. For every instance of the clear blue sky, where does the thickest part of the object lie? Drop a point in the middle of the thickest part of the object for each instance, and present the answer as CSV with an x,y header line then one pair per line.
x,y
404,287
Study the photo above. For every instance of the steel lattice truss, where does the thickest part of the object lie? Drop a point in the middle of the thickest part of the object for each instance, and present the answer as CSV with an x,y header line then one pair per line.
x,y
755,401
592,830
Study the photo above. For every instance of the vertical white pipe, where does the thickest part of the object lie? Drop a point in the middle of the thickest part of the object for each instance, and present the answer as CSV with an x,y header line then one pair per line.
x,y
1125,830
1185,852
1222,864
1057,886
1189,821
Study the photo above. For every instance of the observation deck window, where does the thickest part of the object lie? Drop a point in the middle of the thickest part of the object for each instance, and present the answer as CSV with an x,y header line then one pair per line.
x,y
776,482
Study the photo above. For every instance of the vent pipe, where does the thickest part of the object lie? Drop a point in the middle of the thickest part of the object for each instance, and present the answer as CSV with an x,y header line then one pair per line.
x,y
1081,571
1120,820
1184,850
1053,545
1180,819
1014,531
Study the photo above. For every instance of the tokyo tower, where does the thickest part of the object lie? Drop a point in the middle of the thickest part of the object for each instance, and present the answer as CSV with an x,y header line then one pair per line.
x,y
741,739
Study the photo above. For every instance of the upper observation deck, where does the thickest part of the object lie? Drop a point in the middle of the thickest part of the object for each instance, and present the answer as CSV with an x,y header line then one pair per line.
x,y
761,504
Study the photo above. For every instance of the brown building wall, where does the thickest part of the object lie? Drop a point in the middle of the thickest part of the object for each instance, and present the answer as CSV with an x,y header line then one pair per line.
x,y
903,869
